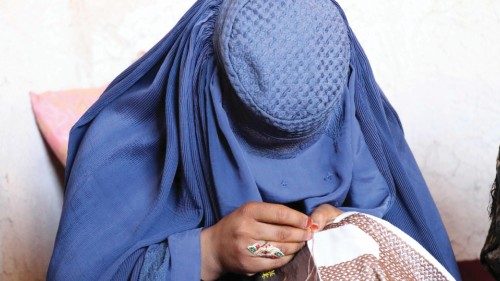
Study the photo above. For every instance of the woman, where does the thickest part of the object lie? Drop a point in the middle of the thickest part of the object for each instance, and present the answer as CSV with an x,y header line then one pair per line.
x,y
249,120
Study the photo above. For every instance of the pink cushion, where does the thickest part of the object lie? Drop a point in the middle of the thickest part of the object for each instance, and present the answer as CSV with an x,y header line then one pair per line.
x,y
57,111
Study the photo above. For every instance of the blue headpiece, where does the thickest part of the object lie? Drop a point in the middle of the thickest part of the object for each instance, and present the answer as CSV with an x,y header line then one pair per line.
x,y
288,67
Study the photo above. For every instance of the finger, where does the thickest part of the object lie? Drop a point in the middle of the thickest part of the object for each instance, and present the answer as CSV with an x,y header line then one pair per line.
x,y
285,248
324,214
289,248
277,214
279,233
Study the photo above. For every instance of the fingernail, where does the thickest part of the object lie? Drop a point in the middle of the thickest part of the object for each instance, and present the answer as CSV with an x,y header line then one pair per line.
x,y
309,222
314,227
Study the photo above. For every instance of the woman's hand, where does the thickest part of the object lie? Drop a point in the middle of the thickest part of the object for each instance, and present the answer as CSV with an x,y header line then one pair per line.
x,y
322,215
224,245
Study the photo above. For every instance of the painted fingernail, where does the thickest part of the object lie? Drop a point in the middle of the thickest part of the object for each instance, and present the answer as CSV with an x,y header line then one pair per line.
x,y
314,227
309,222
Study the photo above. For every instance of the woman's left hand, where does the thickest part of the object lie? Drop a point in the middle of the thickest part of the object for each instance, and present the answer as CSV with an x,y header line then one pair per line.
x,y
322,215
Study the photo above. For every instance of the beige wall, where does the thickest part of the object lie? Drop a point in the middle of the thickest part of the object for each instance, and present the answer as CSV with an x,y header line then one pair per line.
x,y
437,61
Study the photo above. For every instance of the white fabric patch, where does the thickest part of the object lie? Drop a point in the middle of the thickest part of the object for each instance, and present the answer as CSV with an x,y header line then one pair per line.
x,y
342,244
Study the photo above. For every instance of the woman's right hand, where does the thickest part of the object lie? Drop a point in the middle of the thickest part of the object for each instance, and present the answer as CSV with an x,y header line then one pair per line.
x,y
224,245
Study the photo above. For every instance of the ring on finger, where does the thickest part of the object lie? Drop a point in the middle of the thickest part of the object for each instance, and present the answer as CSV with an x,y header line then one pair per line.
x,y
265,250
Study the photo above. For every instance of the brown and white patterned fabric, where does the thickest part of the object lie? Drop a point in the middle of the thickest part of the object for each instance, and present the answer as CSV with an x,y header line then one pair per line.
x,y
357,246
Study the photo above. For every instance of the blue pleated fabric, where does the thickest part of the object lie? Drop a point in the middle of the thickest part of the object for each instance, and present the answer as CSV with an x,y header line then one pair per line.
x,y
158,157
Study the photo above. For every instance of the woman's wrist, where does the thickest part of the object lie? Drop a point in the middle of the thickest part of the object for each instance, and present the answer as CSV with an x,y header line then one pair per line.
x,y
210,265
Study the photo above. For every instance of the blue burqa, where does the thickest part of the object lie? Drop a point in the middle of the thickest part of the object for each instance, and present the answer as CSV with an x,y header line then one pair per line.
x,y
159,156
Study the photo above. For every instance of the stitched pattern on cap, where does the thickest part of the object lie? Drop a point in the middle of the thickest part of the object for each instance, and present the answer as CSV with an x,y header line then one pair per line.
x,y
287,60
